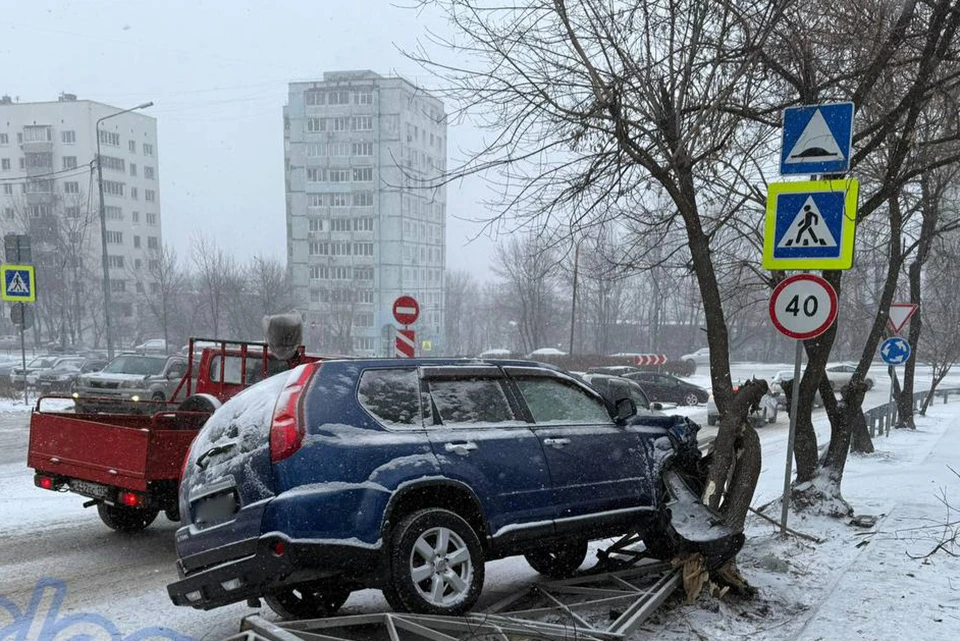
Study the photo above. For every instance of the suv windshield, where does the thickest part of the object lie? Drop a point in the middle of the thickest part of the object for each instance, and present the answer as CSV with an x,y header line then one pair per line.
x,y
62,365
41,363
139,365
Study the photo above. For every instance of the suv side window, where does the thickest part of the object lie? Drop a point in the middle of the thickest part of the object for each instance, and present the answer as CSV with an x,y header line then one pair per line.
x,y
628,389
179,368
392,396
557,402
470,401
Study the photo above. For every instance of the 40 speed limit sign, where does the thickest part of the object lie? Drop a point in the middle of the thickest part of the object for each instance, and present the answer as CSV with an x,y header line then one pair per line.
x,y
803,306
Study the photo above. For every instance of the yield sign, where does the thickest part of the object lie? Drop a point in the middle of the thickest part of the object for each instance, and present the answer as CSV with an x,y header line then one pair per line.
x,y
900,314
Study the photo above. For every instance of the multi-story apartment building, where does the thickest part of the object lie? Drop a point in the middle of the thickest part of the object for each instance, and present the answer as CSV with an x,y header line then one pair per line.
x,y
365,216
48,189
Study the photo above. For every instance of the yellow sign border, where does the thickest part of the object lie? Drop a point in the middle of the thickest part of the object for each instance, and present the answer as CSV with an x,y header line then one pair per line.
x,y
32,298
851,186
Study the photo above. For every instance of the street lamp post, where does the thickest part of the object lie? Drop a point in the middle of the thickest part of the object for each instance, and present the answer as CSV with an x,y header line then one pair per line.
x,y
104,256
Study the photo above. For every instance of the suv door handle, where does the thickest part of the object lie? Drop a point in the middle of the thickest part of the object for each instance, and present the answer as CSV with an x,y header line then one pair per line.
x,y
558,443
463,449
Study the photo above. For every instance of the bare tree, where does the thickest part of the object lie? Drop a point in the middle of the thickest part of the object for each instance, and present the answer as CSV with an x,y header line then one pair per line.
x,y
461,314
216,274
161,287
527,266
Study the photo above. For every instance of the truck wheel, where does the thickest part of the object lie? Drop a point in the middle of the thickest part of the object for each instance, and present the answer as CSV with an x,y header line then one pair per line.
x,y
560,562
204,403
172,513
436,564
126,519
308,602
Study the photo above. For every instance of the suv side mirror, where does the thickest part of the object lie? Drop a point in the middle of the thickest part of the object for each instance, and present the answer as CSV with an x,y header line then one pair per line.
x,y
626,408
656,406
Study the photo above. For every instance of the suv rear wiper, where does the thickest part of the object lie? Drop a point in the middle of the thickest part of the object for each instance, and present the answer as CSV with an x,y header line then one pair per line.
x,y
216,449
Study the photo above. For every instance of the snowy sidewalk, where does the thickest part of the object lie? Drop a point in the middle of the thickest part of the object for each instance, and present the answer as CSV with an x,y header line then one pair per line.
x,y
857,584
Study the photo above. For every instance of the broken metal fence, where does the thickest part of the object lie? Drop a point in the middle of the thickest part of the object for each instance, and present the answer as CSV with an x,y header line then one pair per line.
x,y
881,419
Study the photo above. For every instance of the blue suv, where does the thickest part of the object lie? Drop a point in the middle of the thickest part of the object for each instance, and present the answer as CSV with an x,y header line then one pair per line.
x,y
407,476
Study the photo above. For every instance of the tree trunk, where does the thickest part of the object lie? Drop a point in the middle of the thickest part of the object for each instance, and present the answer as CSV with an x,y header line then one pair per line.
x,y
736,454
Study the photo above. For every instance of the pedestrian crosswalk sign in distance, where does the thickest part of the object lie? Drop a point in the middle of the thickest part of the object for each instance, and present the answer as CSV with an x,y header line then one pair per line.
x,y
810,225
19,284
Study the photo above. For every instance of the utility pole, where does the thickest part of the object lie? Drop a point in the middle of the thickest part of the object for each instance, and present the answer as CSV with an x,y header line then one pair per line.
x,y
573,307
104,254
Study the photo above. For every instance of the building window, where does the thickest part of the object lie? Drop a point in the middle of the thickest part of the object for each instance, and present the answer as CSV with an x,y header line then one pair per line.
x,y
148,172
341,124
136,242
337,175
363,199
118,285
363,123
314,98
43,160
115,237
363,98
37,133
135,193
314,295
133,169
315,125
69,162
315,174
137,263
68,137
38,187
339,200
363,149
4,140
338,150
23,164
363,174
151,218
110,138
132,146
364,295
7,189
363,319
71,187
314,272
8,213
338,98
316,224
363,343
135,216
149,195
363,224
113,213
363,249
153,264
113,164
340,224
5,164
116,261
317,248
315,150
153,242
113,188
73,211
363,273
148,149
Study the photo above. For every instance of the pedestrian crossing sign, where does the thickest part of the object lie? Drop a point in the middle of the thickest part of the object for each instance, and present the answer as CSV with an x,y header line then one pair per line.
x,y
18,283
810,225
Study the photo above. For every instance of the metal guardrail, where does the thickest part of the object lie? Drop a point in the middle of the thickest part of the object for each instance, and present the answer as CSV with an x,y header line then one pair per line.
x,y
881,419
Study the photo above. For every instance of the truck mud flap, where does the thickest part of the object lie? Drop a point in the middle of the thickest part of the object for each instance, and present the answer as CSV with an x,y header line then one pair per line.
x,y
697,528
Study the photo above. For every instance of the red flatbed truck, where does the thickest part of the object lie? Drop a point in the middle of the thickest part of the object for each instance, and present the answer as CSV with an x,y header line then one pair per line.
x,y
129,465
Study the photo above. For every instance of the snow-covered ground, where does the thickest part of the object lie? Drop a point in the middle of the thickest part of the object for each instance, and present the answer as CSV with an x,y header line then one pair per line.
x,y
63,573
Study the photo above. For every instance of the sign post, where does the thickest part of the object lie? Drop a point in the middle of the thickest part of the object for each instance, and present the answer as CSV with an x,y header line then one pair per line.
x,y
406,311
18,284
801,307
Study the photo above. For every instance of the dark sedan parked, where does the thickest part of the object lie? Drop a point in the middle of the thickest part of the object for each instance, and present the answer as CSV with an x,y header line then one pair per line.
x,y
59,379
663,388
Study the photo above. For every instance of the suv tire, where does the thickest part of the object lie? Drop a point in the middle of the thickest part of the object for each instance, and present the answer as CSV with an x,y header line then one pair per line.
x,y
126,519
559,562
436,564
308,602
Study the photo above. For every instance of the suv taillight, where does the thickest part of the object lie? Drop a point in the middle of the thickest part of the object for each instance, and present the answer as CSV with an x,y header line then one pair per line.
x,y
286,430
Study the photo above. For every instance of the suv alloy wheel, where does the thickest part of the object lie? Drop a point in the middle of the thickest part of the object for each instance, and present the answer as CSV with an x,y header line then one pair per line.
x,y
436,564
559,562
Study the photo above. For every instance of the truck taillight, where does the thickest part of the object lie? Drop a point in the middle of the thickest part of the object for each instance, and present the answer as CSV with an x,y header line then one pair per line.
x,y
44,482
286,430
131,499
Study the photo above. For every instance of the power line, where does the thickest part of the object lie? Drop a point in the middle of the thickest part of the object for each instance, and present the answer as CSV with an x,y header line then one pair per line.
x,y
63,173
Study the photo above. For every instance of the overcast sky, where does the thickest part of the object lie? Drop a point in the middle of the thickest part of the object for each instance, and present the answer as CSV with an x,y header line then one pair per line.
x,y
218,73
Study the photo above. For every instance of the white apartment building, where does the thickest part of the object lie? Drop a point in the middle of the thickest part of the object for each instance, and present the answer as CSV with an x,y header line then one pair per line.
x,y
365,221
48,189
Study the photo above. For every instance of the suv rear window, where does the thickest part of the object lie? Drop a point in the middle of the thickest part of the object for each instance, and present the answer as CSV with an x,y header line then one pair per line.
x,y
469,401
392,396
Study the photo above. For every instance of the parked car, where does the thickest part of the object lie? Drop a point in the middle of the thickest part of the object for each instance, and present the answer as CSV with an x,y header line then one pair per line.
x,y
766,413
841,373
664,388
61,376
152,346
699,357
324,480
614,370
126,381
615,388
19,376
